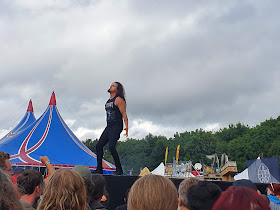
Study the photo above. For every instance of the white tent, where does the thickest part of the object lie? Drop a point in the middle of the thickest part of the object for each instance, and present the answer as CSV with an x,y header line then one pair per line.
x,y
243,175
159,170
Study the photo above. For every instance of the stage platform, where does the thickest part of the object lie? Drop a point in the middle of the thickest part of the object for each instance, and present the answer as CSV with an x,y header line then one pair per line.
x,y
118,185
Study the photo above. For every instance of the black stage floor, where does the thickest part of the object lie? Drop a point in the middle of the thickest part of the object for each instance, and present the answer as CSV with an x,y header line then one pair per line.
x,y
117,187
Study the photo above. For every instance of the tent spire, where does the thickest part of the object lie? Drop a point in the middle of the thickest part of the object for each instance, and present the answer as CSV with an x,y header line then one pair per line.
x,y
30,106
52,101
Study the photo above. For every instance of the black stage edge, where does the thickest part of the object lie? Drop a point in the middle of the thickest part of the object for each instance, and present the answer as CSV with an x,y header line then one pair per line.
x,y
118,185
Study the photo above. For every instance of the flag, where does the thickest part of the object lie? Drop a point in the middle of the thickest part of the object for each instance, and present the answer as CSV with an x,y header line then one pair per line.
x,y
177,153
265,170
166,153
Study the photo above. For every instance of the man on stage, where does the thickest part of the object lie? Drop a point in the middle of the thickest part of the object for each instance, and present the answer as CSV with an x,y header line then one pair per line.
x,y
116,113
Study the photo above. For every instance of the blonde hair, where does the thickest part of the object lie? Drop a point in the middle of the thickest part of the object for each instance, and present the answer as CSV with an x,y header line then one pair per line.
x,y
153,192
65,190
183,188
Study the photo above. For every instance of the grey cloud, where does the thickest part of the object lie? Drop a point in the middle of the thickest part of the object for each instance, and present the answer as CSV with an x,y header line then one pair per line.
x,y
183,64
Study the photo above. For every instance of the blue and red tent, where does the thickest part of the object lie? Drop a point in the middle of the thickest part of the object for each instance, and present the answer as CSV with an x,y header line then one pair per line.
x,y
50,136
26,121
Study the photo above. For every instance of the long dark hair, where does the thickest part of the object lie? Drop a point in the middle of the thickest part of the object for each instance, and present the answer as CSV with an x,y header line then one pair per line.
x,y
120,91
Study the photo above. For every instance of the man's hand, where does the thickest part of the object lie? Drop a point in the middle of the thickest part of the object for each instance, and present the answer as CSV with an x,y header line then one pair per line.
x,y
126,133
44,159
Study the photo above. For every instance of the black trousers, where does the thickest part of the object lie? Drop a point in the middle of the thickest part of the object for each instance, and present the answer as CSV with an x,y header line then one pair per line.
x,y
110,134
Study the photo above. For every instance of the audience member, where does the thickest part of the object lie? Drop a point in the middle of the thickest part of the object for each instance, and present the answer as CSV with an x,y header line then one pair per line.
x,y
153,192
273,194
50,169
5,163
241,198
30,187
105,198
203,195
64,190
124,206
183,189
8,198
84,172
99,193
17,171
246,183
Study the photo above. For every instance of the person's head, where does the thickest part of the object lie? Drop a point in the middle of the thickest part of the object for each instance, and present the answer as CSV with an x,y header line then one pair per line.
x,y
152,192
84,172
8,198
126,195
246,183
241,198
183,188
5,163
99,186
203,195
64,190
116,87
273,189
29,182
105,197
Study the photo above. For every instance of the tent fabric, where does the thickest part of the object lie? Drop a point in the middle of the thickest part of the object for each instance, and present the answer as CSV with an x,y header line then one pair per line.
x,y
25,122
243,175
195,173
265,170
50,136
159,170
145,171
189,174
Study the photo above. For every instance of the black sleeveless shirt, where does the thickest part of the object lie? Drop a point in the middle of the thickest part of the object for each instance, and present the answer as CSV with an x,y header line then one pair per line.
x,y
113,113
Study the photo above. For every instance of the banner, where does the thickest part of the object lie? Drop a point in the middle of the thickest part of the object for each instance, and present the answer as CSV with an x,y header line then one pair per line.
x,y
166,153
169,169
264,170
177,153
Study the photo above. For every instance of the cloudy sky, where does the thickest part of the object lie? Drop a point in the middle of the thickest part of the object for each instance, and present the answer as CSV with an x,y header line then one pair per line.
x,y
184,64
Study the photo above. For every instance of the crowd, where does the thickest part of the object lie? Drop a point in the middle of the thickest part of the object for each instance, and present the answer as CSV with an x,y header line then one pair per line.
x,y
78,189
62,189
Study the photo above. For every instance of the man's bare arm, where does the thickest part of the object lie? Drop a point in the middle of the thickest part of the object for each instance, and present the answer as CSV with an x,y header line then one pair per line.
x,y
45,160
122,107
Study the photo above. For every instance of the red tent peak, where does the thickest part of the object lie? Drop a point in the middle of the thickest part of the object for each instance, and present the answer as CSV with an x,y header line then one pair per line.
x,y
52,101
30,106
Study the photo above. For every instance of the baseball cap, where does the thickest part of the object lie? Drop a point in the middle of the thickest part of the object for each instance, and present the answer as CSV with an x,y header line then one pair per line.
x,y
245,183
83,171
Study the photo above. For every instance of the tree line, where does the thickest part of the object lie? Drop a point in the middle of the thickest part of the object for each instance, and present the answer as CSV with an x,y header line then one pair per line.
x,y
240,142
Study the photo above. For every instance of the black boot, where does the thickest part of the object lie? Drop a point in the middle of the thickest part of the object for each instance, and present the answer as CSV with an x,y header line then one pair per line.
x,y
97,171
118,171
